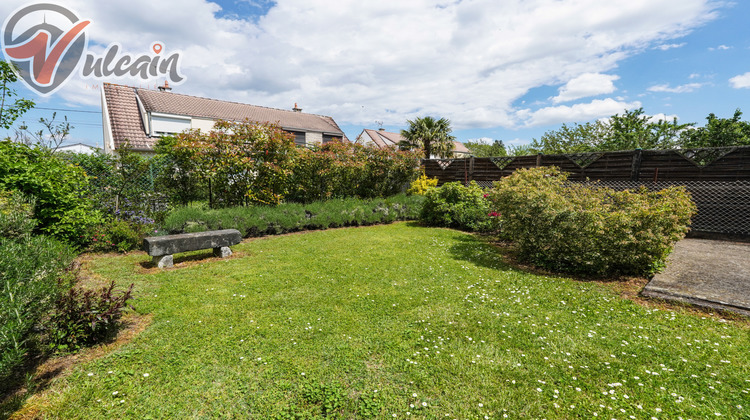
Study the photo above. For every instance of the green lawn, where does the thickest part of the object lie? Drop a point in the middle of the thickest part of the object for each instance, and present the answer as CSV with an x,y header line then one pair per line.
x,y
399,321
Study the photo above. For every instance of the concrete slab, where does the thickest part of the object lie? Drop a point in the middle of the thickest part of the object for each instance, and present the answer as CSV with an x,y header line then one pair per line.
x,y
709,273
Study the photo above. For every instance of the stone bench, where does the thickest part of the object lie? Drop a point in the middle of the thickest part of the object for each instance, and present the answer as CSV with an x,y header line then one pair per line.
x,y
161,248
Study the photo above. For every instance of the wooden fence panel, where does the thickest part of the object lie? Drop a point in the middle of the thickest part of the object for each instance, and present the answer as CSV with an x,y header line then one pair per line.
x,y
634,165
719,179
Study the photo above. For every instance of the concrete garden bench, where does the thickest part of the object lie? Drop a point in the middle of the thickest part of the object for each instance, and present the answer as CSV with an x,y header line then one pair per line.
x,y
161,248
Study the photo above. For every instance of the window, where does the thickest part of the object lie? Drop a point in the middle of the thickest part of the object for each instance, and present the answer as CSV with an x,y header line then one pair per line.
x,y
299,138
328,139
168,124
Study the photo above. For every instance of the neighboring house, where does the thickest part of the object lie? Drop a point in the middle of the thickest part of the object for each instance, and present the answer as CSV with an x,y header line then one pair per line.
x,y
382,138
78,148
142,116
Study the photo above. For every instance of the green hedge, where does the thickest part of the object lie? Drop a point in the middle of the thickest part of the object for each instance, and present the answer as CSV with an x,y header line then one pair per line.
x,y
291,217
590,230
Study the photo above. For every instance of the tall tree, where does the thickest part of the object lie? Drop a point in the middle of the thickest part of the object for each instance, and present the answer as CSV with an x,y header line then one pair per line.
x,y
10,112
578,138
718,132
634,130
431,135
497,148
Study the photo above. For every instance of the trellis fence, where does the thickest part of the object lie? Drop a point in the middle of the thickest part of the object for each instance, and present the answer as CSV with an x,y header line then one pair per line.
x,y
717,178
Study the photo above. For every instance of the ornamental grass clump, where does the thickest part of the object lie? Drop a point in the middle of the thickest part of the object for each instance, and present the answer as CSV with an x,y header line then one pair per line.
x,y
590,230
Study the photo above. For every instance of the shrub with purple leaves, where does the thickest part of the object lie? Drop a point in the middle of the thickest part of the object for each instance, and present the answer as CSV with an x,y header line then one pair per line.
x,y
86,317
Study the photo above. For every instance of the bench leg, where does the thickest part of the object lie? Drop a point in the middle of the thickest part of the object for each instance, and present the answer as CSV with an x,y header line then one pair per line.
x,y
222,252
165,261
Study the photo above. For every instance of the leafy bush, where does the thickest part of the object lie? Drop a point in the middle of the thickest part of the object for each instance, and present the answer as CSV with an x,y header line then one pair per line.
x,y
457,206
290,217
179,177
30,271
16,214
240,163
249,163
590,230
123,185
120,235
338,170
421,185
59,188
86,317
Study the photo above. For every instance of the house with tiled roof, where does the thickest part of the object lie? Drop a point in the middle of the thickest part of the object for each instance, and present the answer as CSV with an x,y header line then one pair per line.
x,y
381,138
141,116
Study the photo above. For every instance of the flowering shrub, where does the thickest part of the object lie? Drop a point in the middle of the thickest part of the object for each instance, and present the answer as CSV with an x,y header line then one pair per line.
x,y
458,206
590,230
421,185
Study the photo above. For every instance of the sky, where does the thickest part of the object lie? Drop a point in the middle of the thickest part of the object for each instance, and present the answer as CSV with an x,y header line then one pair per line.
x,y
508,70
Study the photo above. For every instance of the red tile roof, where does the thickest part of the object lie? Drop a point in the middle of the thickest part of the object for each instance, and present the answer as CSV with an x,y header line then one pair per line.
x,y
125,118
127,122
387,139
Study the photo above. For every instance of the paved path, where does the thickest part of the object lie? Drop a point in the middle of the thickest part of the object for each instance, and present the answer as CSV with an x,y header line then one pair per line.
x,y
710,273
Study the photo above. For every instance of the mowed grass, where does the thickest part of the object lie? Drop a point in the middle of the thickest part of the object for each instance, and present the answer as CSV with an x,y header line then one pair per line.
x,y
399,321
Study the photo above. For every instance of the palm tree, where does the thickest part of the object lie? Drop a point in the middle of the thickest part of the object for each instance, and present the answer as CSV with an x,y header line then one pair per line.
x,y
434,136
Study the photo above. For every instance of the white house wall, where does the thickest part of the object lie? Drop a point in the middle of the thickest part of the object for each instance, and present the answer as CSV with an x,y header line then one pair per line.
x,y
109,143
202,124
313,138
170,124
365,139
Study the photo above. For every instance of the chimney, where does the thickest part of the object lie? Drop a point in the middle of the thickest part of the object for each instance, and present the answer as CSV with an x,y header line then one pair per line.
x,y
296,109
165,87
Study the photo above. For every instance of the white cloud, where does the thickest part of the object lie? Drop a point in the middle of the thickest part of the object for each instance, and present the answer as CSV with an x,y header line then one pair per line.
x,y
663,117
665,47
390,60
721,47
587,84
686,88
598,108
740,81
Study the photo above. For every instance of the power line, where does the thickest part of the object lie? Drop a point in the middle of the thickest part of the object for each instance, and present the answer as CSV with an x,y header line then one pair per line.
x,y
69,110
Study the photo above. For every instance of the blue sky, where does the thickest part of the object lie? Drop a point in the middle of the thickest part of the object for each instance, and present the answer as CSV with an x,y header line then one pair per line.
x,y
506,70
